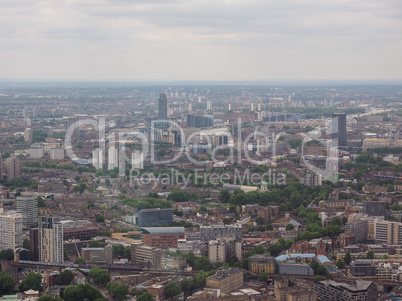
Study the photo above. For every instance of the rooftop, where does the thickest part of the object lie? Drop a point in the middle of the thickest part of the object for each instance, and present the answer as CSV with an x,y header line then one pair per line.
x,y
163,230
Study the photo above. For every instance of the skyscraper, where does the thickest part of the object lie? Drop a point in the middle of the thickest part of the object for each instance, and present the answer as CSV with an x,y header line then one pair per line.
x,y
162,107
137,160
97,158
28,135
339,129
10,230
28,208
1,168
113,158
50,240
13,167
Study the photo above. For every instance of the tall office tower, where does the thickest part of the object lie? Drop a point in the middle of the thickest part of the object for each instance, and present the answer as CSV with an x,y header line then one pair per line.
x,y
10,230
24,113
113,158
28,121
97,158
230,107
209,105
50,240
13,167
252,107
1,168
162,107
339,129
137,160
28,135
34,112
190,107
28,208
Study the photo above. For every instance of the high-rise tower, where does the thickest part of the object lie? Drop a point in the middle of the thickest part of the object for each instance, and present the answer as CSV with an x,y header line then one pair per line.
x,y
162,107
339,129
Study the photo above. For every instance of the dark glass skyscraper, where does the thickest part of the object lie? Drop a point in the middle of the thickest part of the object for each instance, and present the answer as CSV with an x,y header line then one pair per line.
x,y
162,107
339,129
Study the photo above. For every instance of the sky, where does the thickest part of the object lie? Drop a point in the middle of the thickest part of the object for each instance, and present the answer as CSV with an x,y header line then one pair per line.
x,y
213,40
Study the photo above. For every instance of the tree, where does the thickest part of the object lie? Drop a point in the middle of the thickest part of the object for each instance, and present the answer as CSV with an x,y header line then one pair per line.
x,y
322,270
100,219
227,221
177,195
7,283
82,292
79,260
263,277
275,249
224,195
290,227
106,233
127,252
370,254
41,202
65,277
47,297
187,285
118,291
32,281
269,227
340,263
318,279
233,209
202,263
173,289
7,254
260,220
145,297
100,276
348,258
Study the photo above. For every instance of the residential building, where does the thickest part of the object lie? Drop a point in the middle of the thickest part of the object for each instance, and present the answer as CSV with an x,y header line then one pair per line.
x,y
50,240
13,167
28,135
98,255
28,208
137,160
388,232
1,168
57,153
216,231
10,230
372,208
113,158
162,237
36,151
330,290
362,268
142,254
294,293
149,217
226,281
359,228
34,244
172,262
98,158
262,263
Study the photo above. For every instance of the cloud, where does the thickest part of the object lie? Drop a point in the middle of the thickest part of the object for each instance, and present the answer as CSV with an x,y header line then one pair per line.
x,y
200,39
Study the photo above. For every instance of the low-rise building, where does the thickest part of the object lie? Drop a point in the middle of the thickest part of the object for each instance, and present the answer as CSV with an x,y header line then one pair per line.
x,y
330,290
226,281
98,255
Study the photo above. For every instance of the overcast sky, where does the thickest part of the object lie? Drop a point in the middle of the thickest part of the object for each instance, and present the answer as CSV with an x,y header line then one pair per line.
x,y
200,39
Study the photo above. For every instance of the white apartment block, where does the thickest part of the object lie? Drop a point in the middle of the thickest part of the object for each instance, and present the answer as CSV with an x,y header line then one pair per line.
x,y
10,230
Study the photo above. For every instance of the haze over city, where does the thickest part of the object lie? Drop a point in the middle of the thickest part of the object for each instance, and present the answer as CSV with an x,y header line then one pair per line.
x,y
200,40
